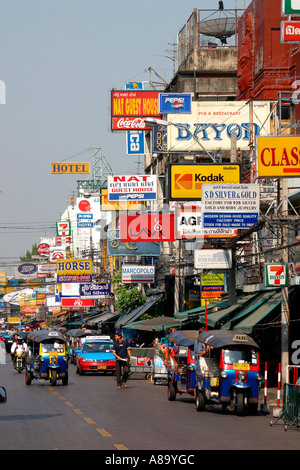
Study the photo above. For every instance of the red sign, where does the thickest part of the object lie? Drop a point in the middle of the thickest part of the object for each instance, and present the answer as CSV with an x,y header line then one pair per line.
x,y
147,228
128,108
290,31
76,302
60,240
43,249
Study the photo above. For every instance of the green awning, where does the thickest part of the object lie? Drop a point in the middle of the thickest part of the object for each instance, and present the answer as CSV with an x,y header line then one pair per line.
x,y
258,300
154,324
187,314
134,314
251,320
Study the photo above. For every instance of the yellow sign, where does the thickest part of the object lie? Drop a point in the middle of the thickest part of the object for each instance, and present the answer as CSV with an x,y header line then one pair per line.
x,y
74,267
185,181
278,156
60,168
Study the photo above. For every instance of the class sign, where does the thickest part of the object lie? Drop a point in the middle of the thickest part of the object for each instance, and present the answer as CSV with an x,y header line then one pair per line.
x,y
278,156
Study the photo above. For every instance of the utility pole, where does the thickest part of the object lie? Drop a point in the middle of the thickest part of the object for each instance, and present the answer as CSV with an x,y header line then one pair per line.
x,y
285,312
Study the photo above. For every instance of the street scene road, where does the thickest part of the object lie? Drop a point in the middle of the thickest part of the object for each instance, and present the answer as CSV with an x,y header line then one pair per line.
x,y
90,413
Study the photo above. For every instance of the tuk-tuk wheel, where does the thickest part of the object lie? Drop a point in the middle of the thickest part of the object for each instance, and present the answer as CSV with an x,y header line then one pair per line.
x,y
65,379
200,401
171,391
27,377
53,378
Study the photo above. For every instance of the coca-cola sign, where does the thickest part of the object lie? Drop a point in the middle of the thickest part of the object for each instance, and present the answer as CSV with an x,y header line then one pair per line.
x,y
77,302
129,124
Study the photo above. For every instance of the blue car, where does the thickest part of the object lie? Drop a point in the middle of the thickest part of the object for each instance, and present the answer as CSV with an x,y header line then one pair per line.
x,y
96,356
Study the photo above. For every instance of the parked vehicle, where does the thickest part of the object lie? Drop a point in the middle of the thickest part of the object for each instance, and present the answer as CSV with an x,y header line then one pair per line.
x,y
95,355
3,396
181,370
75,340
229,373
47,358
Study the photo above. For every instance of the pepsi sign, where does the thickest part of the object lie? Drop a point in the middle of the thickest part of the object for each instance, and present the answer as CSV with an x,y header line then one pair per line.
x,y
175,103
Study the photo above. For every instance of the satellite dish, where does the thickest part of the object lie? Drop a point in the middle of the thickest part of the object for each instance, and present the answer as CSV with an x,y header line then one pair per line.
x,y
221,28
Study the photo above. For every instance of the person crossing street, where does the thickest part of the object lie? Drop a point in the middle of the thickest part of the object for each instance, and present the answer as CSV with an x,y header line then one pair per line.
x,y
122,353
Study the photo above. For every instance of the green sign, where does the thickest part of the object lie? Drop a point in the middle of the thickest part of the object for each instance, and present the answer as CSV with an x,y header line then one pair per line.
x,y
276,275
290,7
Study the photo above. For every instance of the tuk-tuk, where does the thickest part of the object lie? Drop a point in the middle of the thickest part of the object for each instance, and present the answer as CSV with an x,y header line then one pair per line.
x,y
181,363
228,373
47,358
75,339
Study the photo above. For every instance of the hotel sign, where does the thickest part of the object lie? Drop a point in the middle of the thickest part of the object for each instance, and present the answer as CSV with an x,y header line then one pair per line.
x,y
278,156
70,168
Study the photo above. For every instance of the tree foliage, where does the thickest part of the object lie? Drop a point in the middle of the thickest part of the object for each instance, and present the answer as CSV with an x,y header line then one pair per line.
x,y
28,255
128,297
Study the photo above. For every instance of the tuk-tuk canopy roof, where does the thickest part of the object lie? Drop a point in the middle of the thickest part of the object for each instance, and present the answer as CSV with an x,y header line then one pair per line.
x,y
222,338
184,337
45,335
80,332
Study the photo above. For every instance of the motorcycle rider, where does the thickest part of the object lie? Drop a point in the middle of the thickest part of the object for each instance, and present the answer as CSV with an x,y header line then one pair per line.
x,y
18,344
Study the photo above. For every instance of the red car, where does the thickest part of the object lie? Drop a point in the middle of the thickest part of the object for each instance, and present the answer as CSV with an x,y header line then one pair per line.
x,y
96,356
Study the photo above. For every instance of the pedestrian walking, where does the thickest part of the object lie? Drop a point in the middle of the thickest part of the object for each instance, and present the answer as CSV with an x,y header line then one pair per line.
x,y
122,353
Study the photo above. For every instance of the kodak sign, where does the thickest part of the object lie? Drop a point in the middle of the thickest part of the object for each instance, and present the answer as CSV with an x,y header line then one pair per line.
x,y
278,156
185,181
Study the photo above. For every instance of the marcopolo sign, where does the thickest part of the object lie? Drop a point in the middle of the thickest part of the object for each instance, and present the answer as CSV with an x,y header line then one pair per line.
x,y
138,274
278,156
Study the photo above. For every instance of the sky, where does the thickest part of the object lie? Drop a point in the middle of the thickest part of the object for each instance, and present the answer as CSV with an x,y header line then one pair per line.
x,y
59,61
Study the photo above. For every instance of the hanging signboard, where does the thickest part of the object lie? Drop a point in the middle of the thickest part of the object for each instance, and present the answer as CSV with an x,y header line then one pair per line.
x,y
129,107
278,156
70,168
97,290
175,103
276,275
63,229
290,32
74,270
76,302
213,123
127,205
290,7
230,205
117,248
135,143
185,180
138,274
131,187
212,259
189,225
147,228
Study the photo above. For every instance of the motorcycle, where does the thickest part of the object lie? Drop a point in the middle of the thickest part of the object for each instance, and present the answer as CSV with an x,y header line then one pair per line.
x,y
19,360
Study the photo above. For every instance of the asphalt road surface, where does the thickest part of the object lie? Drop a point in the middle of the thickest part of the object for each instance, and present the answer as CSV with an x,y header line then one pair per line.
x,y
90,413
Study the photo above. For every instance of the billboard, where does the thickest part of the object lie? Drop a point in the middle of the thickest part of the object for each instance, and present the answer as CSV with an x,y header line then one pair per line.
x,y
278,156
96,290
212,123
185,180
131,187
74,270
175,103
152,227
189,226
25,271
129,107
127,205
60,168
212,259
230,205
117,248
138,274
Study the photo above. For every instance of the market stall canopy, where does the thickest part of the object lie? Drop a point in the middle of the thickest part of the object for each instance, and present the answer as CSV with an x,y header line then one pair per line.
x,y
161,323
134,314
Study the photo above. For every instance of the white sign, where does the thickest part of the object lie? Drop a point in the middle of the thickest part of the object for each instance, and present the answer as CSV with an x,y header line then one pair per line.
x,y
189,225
138,274
131,187
230,205
213,123
212,259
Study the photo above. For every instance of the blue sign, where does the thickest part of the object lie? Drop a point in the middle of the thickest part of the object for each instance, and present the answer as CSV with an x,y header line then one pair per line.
x,y
229,220
85,224
84,216
175,103
135,143
95,290
117,248
134,86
